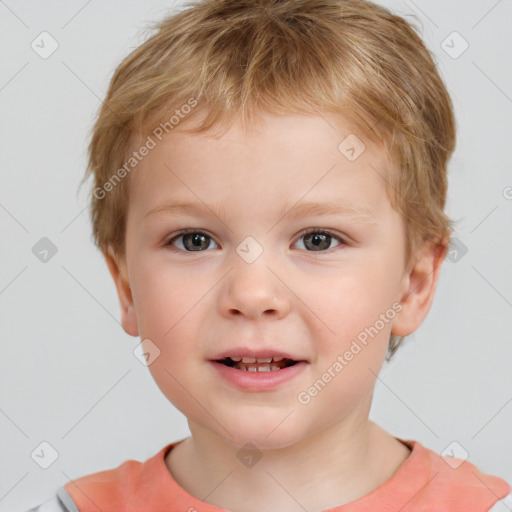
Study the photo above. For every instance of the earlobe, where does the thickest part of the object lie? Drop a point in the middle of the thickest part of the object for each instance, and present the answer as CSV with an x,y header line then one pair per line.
x,y
419,288
118,271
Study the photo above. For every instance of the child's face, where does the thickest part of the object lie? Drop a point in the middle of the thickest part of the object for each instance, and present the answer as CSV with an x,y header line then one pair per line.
x,y
312,305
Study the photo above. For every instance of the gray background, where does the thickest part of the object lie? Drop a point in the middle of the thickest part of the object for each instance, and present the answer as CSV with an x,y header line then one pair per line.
x,y
69,376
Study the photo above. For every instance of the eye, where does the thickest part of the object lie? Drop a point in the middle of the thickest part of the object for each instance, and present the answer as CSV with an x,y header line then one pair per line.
x,y
193,240
319,239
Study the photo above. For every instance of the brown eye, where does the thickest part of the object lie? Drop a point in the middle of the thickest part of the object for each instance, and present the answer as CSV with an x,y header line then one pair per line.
x,y
192,241
318,240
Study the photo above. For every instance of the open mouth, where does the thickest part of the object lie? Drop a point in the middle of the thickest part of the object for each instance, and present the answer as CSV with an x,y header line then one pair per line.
x,y
251,364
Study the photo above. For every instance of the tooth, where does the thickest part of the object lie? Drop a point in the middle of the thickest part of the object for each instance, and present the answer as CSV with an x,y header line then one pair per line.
x,y
236,359
263,359
248,359
276,359
257,368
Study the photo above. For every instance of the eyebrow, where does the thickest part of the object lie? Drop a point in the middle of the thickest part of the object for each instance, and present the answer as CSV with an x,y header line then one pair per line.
x,y
362,214
303,209
182,209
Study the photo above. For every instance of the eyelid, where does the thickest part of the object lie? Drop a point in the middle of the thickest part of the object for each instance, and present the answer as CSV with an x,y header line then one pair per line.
x,y
331,232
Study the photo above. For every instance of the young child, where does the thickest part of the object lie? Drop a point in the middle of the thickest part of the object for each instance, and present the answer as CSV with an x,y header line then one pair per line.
x,y
269,192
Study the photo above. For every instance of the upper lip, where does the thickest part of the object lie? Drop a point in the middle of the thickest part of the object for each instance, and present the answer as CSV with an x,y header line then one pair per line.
x,y
257,353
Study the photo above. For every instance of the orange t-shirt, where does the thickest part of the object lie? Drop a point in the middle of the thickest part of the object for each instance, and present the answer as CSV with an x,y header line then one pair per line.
x,y
423,483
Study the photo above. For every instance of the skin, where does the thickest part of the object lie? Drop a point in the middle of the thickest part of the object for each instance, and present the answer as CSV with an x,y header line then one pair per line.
x,y
194,304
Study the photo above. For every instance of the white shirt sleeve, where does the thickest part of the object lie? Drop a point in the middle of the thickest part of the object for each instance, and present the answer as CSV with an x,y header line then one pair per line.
x,y
504,505
61,502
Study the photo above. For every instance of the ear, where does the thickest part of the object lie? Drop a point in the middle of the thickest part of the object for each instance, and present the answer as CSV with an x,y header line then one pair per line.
x,y
420,283
119,273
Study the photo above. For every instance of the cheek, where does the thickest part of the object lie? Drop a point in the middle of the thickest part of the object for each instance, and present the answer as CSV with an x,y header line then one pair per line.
x,y
352,300
165,300
173,305
170,308
358,310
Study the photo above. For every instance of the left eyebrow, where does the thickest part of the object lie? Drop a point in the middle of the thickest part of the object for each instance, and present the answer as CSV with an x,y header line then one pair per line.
x,y
345,209
361,214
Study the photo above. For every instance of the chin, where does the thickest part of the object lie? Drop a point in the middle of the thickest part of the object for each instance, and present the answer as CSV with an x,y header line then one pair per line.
x,y
262,434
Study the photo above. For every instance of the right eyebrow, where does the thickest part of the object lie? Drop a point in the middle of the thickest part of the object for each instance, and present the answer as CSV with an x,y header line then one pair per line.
x,y
182,209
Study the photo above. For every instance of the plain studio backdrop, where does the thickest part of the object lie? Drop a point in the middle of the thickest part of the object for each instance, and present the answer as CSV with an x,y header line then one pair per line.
x,y
71,386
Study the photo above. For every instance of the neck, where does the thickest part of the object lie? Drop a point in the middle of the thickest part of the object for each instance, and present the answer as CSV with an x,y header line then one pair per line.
x,y
327,469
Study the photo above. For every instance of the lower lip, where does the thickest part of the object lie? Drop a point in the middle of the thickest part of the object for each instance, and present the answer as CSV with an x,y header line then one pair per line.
x,y
258,381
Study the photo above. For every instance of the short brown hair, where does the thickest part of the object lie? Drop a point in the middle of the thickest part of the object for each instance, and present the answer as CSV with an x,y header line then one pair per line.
x,y
238,58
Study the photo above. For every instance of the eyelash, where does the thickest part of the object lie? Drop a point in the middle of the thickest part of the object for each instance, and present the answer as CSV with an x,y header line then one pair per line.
x,y
309,231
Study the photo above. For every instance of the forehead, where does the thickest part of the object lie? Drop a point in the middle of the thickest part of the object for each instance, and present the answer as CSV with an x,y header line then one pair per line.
x,y
276,163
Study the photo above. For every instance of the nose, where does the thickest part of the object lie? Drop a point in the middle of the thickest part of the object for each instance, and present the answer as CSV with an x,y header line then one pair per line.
x,y
253,290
